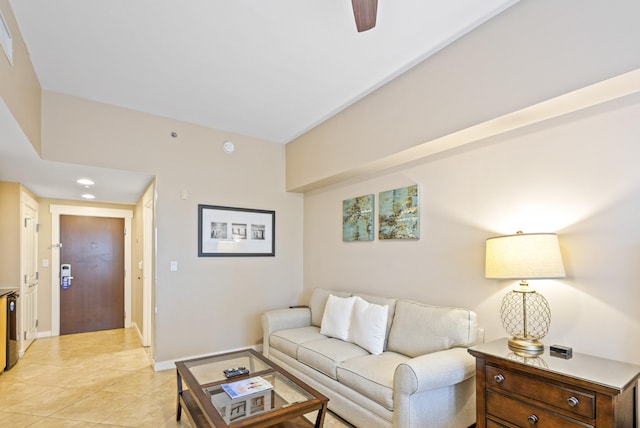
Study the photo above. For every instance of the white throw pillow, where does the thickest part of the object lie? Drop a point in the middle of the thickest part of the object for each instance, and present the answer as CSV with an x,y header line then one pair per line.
x,y
336,318
368,326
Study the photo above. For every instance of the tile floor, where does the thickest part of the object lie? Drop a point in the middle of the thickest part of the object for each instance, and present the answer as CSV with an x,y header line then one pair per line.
x,y
100,379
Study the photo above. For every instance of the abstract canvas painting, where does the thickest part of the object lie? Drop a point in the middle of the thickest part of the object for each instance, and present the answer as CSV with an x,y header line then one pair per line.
x,y
357,218
399,214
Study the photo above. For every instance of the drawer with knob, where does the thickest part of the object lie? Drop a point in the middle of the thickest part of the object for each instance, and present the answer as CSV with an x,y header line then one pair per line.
x,y
518,391
565,400
523,414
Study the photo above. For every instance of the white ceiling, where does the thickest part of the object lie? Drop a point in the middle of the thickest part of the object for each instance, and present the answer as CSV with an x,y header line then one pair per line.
x,y
267,69
20,163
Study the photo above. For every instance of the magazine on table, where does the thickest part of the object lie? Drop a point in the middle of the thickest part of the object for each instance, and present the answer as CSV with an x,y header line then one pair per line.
x,y
244,387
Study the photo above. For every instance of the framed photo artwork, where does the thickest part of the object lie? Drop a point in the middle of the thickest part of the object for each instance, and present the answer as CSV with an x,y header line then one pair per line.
x,y
228,232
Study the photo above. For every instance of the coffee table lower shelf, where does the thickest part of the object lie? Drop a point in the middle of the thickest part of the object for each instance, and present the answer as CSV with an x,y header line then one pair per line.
x,y
198,420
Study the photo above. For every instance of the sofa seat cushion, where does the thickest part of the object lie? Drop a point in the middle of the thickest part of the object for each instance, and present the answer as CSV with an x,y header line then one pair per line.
x,y
372,376
287,341
326,354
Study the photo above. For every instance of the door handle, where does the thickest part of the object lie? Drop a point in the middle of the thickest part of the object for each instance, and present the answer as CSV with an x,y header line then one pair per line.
x,y
65,276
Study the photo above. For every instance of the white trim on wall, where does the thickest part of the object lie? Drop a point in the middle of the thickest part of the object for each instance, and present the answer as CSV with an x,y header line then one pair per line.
x,y
171,364
56,211
148,270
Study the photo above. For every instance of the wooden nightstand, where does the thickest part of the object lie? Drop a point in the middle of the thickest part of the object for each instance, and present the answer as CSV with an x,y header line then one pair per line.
x,y
546,391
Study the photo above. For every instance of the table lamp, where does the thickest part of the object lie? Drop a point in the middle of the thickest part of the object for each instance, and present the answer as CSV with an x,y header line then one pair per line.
x,y
525,314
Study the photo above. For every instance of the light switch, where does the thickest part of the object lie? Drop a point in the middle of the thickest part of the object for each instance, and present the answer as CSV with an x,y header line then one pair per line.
x,y
45,263
174,266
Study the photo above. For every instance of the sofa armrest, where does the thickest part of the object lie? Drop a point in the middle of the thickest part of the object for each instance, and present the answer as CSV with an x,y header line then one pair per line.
x,y
432,371
280,319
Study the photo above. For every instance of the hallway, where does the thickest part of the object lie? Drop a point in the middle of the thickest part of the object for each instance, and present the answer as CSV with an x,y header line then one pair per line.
x,y
98,379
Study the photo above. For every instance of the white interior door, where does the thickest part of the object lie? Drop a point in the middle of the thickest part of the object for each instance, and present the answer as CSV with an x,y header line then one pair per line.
x,y
147,270
28,302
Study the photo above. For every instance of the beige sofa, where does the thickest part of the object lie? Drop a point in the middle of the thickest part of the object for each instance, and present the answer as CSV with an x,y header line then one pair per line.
x,y
420,376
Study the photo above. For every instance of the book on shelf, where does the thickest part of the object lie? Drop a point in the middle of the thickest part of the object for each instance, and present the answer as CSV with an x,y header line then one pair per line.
x,y
244,387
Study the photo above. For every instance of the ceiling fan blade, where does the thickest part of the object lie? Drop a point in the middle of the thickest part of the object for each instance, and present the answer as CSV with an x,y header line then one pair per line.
x,y
365,12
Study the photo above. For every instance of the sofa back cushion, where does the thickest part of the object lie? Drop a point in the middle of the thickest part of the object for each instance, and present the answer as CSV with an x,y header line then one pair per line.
x,y
419,329
368,326
318,301
382,301
337,317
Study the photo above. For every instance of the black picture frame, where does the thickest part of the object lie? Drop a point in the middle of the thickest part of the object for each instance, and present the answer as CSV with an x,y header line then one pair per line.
x,y
236,232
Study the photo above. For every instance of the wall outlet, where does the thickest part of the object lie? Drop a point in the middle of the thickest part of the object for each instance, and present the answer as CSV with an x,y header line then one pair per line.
x,y
174,266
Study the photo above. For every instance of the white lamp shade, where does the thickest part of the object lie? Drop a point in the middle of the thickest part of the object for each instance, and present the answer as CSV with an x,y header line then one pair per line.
x,y
524,256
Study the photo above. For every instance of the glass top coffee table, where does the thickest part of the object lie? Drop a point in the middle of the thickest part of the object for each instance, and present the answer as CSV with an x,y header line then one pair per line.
x,y
206,404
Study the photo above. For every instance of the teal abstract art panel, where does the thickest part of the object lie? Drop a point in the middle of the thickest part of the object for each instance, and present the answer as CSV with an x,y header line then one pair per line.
x,y
357,218
399,214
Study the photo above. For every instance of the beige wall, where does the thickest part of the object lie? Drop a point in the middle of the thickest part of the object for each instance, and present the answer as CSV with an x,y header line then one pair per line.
x,y
484,127
10,244
210,304
19,86
576,175
10,236
532,52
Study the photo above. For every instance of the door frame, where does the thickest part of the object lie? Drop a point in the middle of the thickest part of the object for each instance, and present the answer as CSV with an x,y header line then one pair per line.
x,y
148,268
26,337
56,212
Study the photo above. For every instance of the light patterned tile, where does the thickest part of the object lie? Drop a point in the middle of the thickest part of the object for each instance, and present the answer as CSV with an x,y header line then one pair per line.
x,y
14,394
61,423
95,378
172,423
99,380
17,420
48,402
111,426
170,387
145,412
23,372
53,376
96,407
138,383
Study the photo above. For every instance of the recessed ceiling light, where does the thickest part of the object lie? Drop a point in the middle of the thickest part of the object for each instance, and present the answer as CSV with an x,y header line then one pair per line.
x,y
85,182
88,196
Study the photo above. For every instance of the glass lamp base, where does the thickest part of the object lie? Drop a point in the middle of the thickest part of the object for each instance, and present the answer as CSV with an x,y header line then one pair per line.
x,y
530,346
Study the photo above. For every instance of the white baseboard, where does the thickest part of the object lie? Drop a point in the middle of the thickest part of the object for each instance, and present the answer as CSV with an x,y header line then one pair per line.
x,y
134,325
171,364
164,365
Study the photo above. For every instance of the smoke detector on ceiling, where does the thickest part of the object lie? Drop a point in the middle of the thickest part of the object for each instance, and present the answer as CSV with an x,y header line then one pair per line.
x,y
228,147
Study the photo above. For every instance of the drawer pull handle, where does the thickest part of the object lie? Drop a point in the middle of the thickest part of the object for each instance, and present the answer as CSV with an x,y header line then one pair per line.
x,y
498,378
572,401
533,419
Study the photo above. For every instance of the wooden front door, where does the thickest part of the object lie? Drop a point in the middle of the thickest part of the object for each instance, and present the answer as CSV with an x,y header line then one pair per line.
x,y
94,298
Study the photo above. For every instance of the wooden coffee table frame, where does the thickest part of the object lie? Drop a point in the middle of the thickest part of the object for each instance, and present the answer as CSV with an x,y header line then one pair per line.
x,y
202,413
